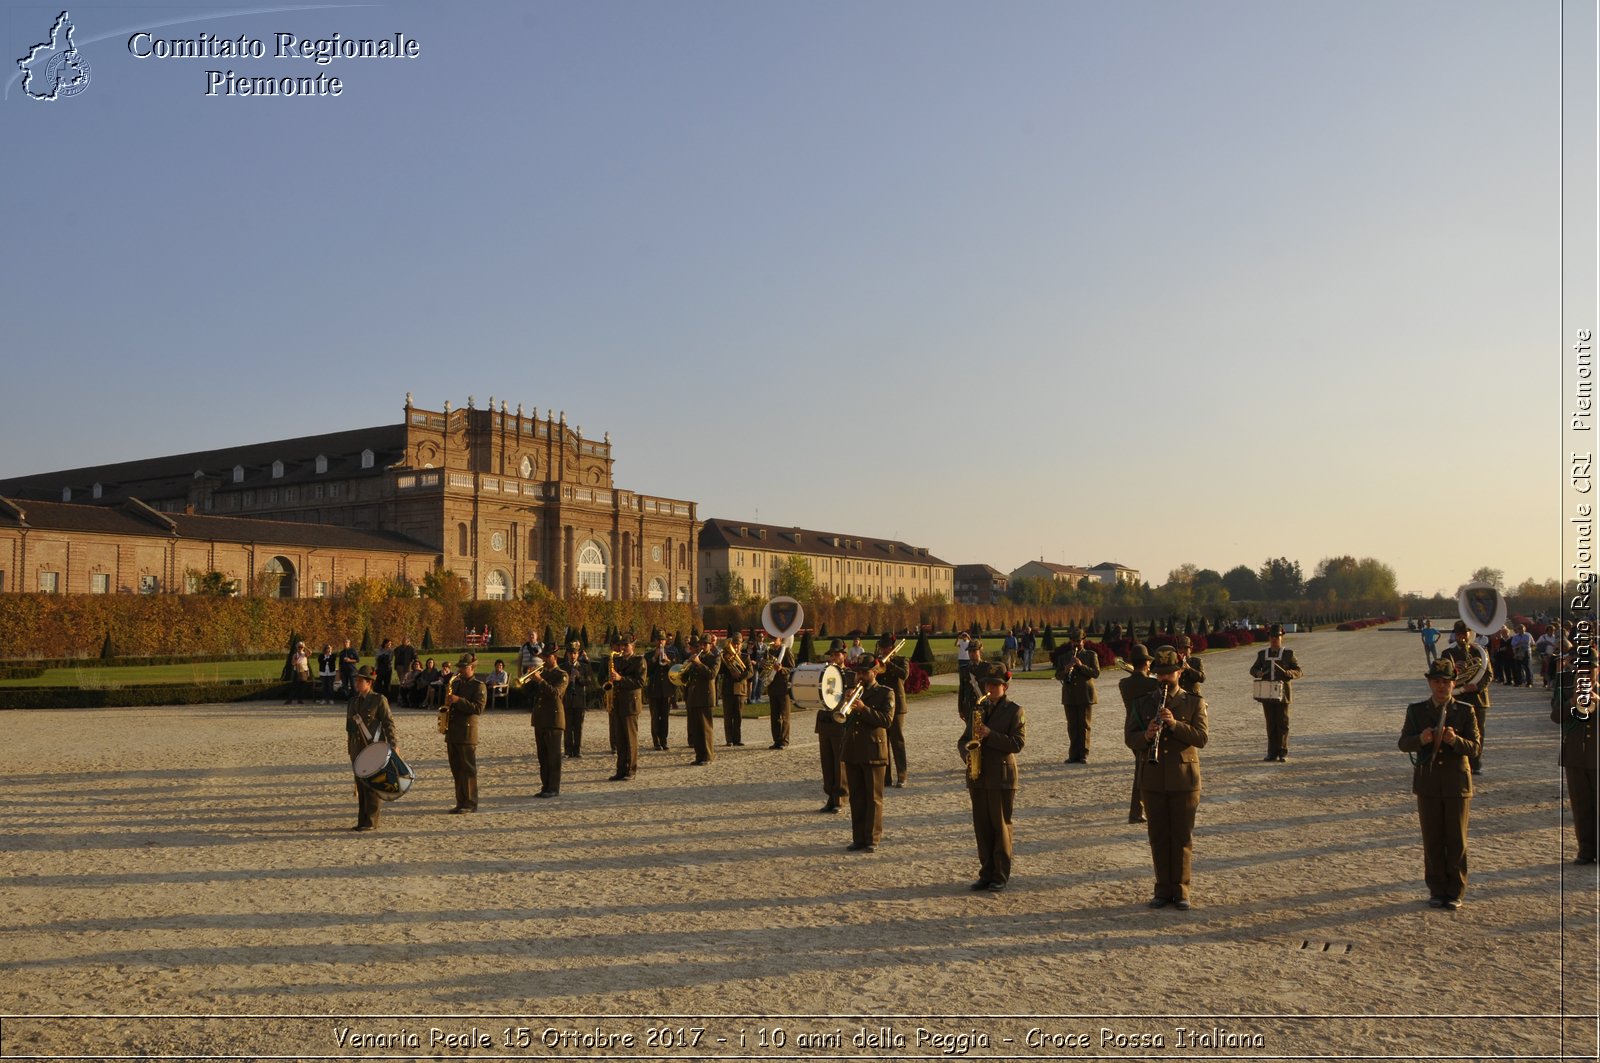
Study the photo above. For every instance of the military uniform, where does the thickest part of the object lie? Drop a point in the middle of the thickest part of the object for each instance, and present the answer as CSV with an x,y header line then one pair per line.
x,y
548,690
372,709
1579,753
1170,788
778,696
580,681
1443,787
627,696
658,690
830,744
1277,664
993,793
1466,661
461,739
1076,671
866,758
734,684
1132,688
699,698
895,672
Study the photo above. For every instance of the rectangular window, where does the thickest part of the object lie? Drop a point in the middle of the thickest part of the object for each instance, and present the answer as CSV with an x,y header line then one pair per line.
x,y
316,491
319,589
99,583
755,587
49,582
290,494
272,496
149,584
335,490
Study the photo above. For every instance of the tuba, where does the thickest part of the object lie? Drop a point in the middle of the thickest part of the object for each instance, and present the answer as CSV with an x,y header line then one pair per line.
x,y
731,656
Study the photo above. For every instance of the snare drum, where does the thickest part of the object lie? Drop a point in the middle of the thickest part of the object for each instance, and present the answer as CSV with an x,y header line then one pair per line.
x,y
1267,690
817,686
380,769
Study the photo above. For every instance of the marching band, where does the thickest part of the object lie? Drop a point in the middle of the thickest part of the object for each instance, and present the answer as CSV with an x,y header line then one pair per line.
x,y
860,711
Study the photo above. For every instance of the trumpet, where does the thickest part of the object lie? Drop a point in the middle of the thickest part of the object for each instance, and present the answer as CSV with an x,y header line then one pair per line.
x,y
538,666
842,713
973,750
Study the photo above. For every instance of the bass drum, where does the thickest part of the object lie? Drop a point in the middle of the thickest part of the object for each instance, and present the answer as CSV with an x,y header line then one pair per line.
x,y
379,768
817,686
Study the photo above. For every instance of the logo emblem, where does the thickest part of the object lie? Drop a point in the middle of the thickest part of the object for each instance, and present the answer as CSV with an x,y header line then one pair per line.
x,y
1482,607
55,69
782,617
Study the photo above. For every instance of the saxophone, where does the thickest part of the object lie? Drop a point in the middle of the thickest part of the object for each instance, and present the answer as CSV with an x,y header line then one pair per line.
x,y
974,746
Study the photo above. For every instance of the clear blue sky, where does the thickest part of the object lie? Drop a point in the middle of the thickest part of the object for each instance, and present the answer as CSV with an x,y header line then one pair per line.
x,y
1145,282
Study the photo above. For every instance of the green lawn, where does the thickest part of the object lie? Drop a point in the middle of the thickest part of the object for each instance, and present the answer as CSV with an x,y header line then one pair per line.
x,y
137,674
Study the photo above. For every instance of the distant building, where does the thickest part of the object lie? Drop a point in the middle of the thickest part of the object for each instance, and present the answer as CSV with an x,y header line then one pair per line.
x,y
1068,574
845,565
130,548
980,584
1111,573
500,498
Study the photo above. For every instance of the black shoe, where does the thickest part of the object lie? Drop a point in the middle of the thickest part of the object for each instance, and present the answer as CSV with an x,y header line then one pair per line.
x,y
1282,758
981,884
1435,902
1452,903
855,847
1181,904
831,806
458,810
1584,859
615,778
869,848
1269,757
776,745
1137,819
997,887
359,826
900,783
544,793
1158,902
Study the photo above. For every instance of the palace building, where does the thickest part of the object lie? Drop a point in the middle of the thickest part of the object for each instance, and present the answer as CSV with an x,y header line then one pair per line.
x,y
873,570
499,497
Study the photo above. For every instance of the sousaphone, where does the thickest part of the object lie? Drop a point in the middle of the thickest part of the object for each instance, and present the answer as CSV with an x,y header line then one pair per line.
x,y
1483,610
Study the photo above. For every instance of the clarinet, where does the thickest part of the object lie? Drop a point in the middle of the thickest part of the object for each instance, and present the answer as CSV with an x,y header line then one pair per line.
x,y
1154,756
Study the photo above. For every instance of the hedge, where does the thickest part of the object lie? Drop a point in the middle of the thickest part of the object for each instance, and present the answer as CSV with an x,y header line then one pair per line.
x,y
138,694
58,626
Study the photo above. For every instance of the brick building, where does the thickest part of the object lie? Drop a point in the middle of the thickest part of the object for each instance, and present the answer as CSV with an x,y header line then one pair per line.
x,y
980,584
500,498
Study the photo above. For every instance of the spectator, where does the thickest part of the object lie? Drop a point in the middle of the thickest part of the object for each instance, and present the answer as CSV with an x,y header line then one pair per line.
x,y
385,667
499,683
348,659
1430,641
411,685
327,666
1029,644
1008,650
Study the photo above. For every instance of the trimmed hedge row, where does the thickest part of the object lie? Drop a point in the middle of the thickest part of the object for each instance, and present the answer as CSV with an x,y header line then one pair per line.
x,y
138,695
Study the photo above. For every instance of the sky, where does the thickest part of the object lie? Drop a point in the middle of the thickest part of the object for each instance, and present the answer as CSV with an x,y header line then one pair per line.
x,y
1084,280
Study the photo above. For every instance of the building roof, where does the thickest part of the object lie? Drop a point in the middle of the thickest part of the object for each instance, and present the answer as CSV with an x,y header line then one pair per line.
x,y
973,570
170,476
1112,564
135,518
1051,566
721,533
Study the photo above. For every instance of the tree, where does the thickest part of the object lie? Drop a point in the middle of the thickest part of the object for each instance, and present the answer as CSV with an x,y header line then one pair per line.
x,y
727,588
1183,574
795,579
1242,583
1494,577
212,584
1281,579
1346,579
444,586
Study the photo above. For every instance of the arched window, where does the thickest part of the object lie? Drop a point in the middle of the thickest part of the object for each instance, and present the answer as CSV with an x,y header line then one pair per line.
x,y
658,590
366,459
278,578
461,539
496,586
592,571
277,469
238,474
322,463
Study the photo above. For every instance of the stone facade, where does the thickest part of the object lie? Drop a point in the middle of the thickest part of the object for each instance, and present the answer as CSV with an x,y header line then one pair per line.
x,y
846,566
501,498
